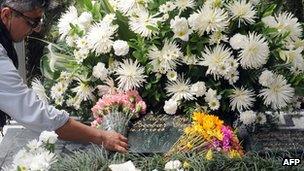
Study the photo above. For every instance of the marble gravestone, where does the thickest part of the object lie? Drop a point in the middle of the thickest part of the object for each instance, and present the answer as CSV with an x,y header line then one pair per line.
x,y
288,137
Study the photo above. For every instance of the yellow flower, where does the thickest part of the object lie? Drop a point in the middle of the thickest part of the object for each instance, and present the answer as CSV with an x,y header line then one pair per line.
x,y
198,117
186,165
189,145
209,155
234,154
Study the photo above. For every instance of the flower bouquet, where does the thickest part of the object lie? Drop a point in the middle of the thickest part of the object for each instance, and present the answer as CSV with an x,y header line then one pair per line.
x,y
236,58
206,134
114,111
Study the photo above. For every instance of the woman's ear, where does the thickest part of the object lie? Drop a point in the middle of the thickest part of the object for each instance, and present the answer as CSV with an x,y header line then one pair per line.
x,y
6,15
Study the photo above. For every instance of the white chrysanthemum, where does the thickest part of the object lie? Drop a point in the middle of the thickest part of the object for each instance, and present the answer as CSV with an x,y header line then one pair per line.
x,y
214,104
190,59
48,137
248,117
179,89
216,60
278,94
85,20
84,92
109,18
173,165
266,78
242,11
237,41
81,55
100,37
34,145
100,71
130,75
211,94
208,20
285,23
198,89
69,17
241,99
121,48
294,57
217,37
39,90
126,5
70,40
140,22
165,59
172,75
255,52
170,106
180,28
184,4
167,7
261,118
57,90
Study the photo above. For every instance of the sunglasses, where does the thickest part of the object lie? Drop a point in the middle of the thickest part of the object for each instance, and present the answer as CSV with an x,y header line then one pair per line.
x,y
34,23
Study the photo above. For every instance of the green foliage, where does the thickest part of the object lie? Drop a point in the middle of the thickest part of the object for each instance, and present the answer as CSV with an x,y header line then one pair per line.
x,y
97,158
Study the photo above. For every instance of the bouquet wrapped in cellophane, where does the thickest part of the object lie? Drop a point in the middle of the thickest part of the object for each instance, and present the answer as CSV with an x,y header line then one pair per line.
x,y
208,134
114,110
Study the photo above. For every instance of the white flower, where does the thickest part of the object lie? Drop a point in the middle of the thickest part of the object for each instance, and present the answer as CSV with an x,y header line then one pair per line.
x,y
81,55
173,165
39,90
285,23
84,91
121,48
294,57
170,106
217,37
69,17
109,18
261,118
180,28
172,75
100,71
214,3
208,20
266,78
167,7
214,104
82,43
127,166
198,89
42,161
130,75
216,60
100,37
190,59
242,11
48,137
57,90
241,99
278,93
237,41
248,117
140,22
34,144
210,94
85,19
184,4
165,59
179,89
255,52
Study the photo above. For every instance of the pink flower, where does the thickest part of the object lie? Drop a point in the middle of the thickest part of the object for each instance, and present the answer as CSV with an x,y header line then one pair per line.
x,y
227,137
141,107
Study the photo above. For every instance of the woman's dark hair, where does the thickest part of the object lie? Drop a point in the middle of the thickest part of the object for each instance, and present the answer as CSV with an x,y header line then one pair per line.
x,y
26,5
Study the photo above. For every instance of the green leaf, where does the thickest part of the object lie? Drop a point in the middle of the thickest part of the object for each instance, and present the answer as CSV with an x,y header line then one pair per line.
x,y
153,28
269,10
